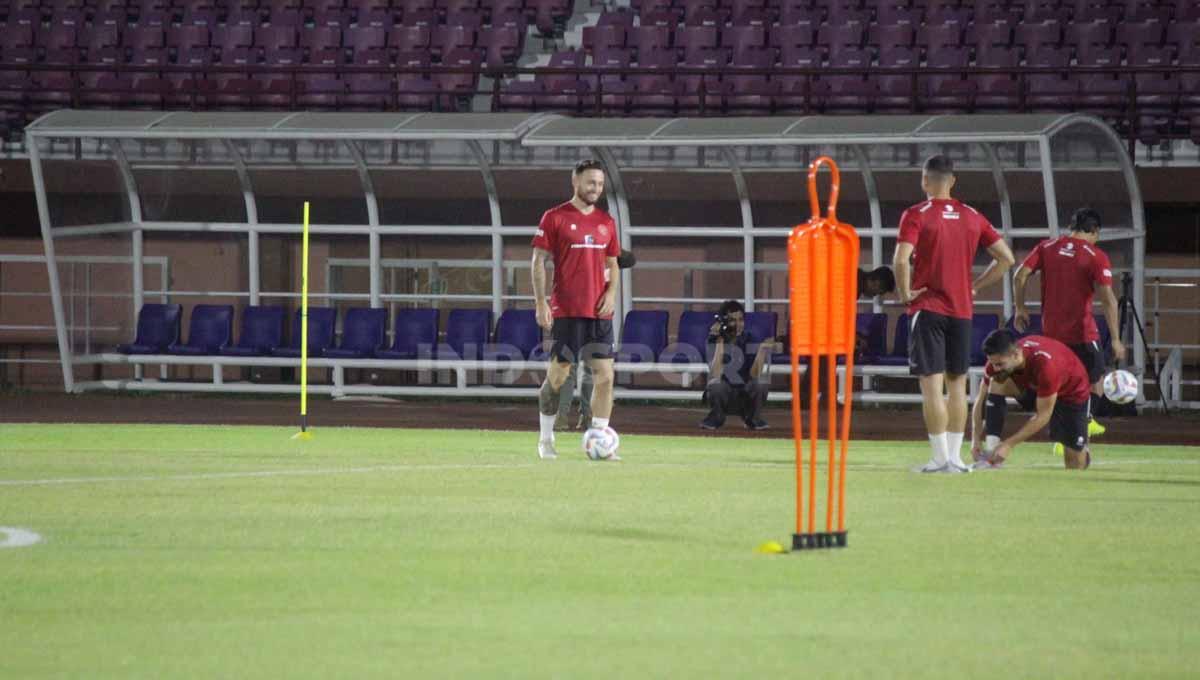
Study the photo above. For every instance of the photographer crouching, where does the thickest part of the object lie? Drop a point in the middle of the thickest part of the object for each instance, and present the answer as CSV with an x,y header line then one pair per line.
x,y
733,377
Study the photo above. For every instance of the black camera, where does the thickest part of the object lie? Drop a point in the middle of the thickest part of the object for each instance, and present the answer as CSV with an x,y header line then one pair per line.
x,y
727,328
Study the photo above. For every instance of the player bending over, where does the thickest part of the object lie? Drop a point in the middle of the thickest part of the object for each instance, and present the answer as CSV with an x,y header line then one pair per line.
x,y
1040,373
581,240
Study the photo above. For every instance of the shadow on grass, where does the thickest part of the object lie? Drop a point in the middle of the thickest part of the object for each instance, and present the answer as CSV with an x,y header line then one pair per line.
x,y
627,534
1125,480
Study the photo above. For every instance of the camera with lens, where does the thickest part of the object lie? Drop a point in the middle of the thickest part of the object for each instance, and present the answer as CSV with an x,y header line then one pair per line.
x,y
727,327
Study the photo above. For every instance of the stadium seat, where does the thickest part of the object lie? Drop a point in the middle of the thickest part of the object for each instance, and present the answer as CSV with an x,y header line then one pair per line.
x,y
157,327
261,332
691,341
363,333
873,327
321,322
517,336
761,326
414,335
643,336
209,330
466,334
981,325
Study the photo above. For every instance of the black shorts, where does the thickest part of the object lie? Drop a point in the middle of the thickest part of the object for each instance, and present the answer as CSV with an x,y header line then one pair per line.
x,y
582,338
1093,359
938,344
1068,422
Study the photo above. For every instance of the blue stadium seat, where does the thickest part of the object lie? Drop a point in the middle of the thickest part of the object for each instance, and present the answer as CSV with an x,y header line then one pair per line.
x,y
466,334
981,325
899,354
873,326
644,336
209,330
517,336
262,331
761,326
321,321
415,335
363,334
1035,326
691,341
157,327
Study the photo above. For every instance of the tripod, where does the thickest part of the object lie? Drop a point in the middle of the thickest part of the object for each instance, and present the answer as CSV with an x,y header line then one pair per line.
x,y
1128,318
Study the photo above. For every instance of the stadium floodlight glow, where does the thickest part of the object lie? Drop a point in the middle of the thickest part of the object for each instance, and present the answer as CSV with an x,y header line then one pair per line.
x,y
822,299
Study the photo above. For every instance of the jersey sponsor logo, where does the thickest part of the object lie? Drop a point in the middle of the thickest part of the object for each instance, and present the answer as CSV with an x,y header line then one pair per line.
x,y
573,227
1108,273
1068,250
589,241
539,233
949,213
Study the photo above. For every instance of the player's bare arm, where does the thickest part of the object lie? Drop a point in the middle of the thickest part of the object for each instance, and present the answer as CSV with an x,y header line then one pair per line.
x,y
1021,317
608,301
1045,408
718,356
902,266
1002,261
1108,302
541,303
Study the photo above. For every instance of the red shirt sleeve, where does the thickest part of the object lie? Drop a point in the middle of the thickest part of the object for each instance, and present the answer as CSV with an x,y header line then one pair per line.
x,y
1101,269
545,235
987,233
910,227
1033,262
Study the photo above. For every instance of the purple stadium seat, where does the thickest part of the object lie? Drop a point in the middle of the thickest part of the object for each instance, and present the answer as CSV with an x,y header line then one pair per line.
x,y
1184,37
467,333
623,18
1043,10
261,332
520,95
701,13
414,335
701,92
321,322
501,45
981,325
694,42
320,38
935,36
611,59
1037,36
839,38
991,11
507,6
761,326
1146,33
509,19
846,93
410,6
1088,35
248,18
281,37
184,39
872,327
408,38
660,13
517,336
603,37
1048,92
473,19
784,37
842,13
643,336
209,330
1096,10
1101,93
951,92
645,39
750,92
320,91
755,16
882,36
997,92
994,33
948,11
653,94
549,15
691,340
363,333
796,90
1142,10
893,13
1185,10
897,92
447,39
744,40
368,91
799,12
899,354
451,6
157,328
362,39
56,37
1157,93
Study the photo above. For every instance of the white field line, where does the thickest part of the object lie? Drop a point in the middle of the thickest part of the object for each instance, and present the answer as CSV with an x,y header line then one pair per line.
x,y
16,537
316,472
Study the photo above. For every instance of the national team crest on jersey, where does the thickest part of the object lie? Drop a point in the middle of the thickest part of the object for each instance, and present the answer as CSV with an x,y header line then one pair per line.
x,y
589,240
603,231
949,213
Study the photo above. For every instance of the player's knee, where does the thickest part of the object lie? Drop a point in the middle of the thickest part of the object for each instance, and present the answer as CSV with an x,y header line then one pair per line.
x,y
757,387
602,374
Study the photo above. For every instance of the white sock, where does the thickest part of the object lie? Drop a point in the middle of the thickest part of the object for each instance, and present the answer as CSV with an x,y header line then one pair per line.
x,y
599,423
954,447
990,442
938,443
547,426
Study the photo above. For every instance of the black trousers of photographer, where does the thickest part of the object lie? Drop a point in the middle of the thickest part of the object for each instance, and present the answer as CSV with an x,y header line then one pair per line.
x,y
746,400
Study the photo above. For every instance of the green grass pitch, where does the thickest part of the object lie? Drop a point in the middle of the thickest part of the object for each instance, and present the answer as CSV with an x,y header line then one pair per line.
x,y
177,552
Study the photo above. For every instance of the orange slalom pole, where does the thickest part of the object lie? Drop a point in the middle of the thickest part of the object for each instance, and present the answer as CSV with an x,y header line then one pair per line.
x,y
849,396
798,436
814,410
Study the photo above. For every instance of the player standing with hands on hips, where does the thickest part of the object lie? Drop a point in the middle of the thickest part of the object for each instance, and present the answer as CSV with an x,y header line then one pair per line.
x,y
941,236
581,240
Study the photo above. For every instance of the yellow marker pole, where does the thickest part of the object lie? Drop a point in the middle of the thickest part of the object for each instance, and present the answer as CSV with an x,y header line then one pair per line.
x,y
304,433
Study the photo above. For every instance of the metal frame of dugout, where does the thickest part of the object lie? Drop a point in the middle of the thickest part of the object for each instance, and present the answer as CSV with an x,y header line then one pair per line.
x,y
372,143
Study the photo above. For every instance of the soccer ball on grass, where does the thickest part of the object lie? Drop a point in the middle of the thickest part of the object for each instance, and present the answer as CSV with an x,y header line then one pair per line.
x,y
601,443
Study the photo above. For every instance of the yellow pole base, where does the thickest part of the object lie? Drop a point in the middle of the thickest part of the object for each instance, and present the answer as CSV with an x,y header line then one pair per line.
x,y
770,548
302,436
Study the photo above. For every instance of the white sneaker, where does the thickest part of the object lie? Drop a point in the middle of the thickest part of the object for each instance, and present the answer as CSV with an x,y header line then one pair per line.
x,y
932,467
984,465
546,449
956,466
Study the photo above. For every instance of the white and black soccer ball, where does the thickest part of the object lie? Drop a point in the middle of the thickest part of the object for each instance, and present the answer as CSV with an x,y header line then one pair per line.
x,y
1121,387
600,443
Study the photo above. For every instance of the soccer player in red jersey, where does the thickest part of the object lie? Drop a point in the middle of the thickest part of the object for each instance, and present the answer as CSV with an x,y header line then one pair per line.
x,y
1073,268
941,237
1033,369
581,240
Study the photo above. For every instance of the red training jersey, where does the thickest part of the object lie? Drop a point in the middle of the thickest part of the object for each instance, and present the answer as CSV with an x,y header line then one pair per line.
x,y
945,235
1050,368
580,245
1071,269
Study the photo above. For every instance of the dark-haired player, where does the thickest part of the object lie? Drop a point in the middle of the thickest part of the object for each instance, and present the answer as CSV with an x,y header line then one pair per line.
x,y
941,236
1040,372
1073,268
581,240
